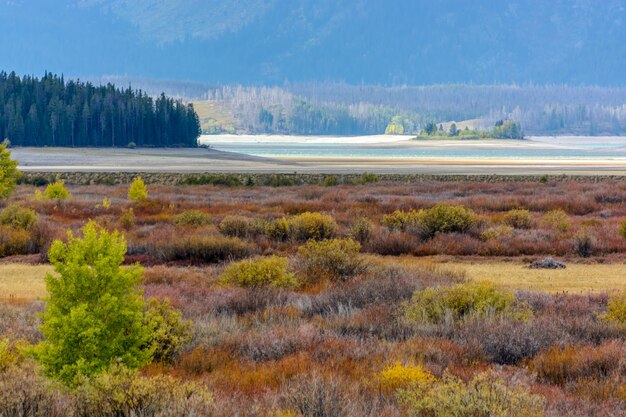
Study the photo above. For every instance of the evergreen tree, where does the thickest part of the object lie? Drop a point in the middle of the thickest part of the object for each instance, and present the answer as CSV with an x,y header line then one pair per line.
x,y
52,112
9,173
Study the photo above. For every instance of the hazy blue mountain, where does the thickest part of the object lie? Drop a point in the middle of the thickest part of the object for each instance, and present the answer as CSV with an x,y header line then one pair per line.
x,y
356,41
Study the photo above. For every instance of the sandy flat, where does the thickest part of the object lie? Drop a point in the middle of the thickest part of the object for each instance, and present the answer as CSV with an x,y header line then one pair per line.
x,y
361,140
211,160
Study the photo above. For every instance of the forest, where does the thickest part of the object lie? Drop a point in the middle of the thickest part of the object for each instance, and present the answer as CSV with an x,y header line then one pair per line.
x,y
54,112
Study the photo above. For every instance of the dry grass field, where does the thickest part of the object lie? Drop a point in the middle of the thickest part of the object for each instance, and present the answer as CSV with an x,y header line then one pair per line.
x,y
21,282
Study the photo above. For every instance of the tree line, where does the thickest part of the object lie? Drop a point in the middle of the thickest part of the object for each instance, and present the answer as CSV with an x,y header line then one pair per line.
x,y
53,112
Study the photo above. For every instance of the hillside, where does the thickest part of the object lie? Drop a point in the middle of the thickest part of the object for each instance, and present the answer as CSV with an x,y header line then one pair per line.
x,y
271,41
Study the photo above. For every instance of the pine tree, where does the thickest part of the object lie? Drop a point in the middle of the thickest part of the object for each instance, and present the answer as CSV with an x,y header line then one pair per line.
x,y
9,173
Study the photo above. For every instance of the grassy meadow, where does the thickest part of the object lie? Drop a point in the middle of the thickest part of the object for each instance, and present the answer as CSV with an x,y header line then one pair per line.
x,y
365,299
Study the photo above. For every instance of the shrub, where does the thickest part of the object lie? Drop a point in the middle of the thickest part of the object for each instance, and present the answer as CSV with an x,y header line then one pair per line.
x,y
398,376
330,181
193,218
557,219
316,396
57,191
279,229
18,217
315,226
106,203
623,229
616,309
270,271
24,393
94,310
169,332
127,219
203,249
562,365
235,226
361,230
212,179
497,232
485,395
14,241
137,190
9,174
518,219
367,178
444,218
121,392
402,220
454,303
584,243
336,259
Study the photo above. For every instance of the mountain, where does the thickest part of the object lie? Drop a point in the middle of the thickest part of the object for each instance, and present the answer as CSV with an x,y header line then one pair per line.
x,y
387,42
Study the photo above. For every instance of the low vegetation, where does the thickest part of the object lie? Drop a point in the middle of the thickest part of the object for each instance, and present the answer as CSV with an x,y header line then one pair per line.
x,y
310,300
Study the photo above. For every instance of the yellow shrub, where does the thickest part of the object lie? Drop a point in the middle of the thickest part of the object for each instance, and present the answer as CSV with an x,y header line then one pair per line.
x,y
398,376
518,219
437,305
496,232
57,191
623,229
137,190
616,309
192,218
269,271
106,203
127,219
485,395
557,219
279,229
315,226
18,217
402,220
330,259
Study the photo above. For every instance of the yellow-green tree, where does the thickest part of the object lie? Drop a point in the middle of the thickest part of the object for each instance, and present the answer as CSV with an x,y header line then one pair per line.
x,y
94,315
9,173
138,190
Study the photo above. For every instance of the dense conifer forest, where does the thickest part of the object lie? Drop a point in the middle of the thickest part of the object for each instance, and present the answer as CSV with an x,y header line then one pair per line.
x,y
53,112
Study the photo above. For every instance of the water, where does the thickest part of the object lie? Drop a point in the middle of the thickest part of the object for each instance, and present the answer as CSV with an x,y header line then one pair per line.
x,y
537,148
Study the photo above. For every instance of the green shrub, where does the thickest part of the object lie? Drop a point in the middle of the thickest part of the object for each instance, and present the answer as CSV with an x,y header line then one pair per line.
x,y
445,218
336,259
57,191
315,226
121,392
137,190
270,271
330,181
485,395
557,219
212,179
235,226
361,230
192,218
279,229
18,217
169,332
403,220
203,249
518,219
454,303
367,178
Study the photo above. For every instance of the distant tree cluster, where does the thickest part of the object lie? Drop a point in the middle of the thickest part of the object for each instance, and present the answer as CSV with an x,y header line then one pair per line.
x,y
276,110
52,112
503,129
